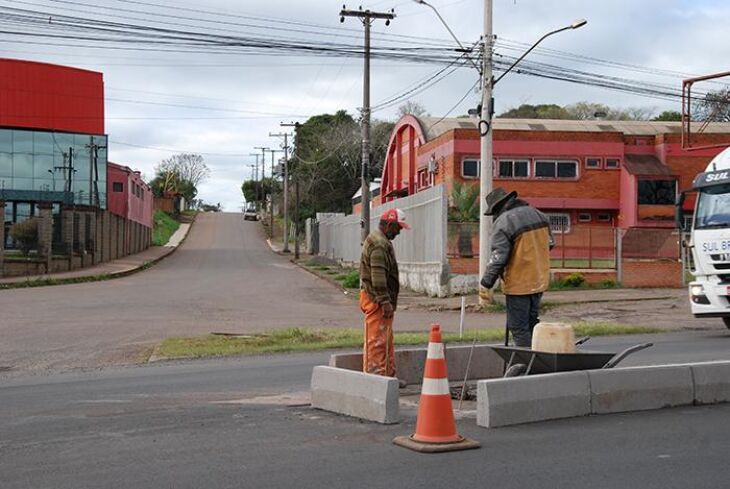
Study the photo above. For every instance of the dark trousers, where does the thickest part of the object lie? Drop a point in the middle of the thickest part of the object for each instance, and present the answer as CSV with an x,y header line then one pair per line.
x,y
522,316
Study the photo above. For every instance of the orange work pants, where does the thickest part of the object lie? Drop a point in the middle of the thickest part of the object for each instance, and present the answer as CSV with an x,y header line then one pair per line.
x,y
378,356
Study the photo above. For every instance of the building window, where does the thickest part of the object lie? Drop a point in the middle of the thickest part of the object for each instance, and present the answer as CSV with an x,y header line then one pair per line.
x,y
593,163
559,222
612,163
657,192
584,217
556,169
604,217
117,187
514,169
470,168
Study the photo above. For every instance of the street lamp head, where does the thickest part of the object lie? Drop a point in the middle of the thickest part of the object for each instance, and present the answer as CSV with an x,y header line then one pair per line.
x,y
420,1
578,23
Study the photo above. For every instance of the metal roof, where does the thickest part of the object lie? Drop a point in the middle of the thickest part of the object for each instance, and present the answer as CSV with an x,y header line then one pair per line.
x,y
434,127
645,165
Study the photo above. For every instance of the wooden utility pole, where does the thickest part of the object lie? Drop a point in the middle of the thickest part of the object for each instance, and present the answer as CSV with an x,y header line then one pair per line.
x,y
367,17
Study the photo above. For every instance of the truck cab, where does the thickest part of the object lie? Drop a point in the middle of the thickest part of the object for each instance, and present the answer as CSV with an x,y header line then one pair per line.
x,y
709,240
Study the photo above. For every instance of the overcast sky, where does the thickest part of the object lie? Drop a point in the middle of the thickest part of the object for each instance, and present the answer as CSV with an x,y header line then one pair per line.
x,y
223,106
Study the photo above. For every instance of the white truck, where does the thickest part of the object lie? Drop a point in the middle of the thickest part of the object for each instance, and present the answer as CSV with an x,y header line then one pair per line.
x,y
709,241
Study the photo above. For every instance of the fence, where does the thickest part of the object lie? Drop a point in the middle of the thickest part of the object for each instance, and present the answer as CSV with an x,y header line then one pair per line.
x,y
421,251
650,257
584,246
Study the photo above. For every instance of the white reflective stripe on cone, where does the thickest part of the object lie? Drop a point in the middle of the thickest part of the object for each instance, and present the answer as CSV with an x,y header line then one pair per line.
x,y
435,387
435,351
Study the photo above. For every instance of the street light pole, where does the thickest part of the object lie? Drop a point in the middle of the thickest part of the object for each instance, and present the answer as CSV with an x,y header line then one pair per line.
x,y
485,151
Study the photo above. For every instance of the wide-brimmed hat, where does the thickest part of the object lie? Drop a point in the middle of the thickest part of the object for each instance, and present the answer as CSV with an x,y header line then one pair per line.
x,y
496,198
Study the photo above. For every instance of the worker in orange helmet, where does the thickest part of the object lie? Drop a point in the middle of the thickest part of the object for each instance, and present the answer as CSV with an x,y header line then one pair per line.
x,y
379,289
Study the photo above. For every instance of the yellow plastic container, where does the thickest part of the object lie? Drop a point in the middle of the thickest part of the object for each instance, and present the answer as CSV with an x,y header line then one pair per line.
x,y
553,338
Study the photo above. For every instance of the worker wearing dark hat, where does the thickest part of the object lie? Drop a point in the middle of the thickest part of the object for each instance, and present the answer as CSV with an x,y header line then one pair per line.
x,y
520,255
379,287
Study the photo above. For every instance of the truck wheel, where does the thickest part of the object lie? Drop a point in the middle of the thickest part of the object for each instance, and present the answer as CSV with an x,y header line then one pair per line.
x,y
727,322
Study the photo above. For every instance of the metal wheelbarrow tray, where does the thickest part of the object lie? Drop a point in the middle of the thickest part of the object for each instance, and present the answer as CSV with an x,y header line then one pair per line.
x,y
540,362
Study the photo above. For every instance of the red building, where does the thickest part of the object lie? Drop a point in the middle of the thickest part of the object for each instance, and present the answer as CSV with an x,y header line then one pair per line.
x,y
51,97
128,195
586,175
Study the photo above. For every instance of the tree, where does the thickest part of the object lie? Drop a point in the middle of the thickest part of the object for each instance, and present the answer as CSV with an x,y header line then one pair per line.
x,y
412,108
543,111
254,190
668,115
714,107
181,173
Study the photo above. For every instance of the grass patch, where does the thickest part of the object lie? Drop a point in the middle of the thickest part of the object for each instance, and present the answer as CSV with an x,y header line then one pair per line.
x,y
164,227
352,280
43,282
302,339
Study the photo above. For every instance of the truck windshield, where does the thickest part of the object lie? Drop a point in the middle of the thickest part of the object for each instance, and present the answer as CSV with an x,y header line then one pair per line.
x,y
713,208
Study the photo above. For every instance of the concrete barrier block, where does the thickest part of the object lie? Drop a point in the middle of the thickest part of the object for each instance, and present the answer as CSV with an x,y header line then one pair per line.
x,y
711,382
640,388
504,402
356,394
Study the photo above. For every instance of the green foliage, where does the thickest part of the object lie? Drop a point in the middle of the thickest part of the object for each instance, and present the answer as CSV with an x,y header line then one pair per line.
x,y
464,203
164,227
352,280
668,115
575,279
608,284
328,158
25,234
257,190
541,111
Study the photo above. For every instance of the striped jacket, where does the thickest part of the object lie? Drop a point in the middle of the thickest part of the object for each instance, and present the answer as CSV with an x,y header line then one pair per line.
x,y
379,269
521,242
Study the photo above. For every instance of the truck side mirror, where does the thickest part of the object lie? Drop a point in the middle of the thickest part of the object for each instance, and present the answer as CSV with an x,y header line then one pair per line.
x,y
679,212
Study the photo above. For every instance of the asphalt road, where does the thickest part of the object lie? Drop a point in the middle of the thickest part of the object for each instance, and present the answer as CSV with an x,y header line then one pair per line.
x,y
245,423
223,278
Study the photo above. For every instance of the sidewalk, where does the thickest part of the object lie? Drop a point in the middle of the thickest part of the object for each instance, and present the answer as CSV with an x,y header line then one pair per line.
x,y
115,268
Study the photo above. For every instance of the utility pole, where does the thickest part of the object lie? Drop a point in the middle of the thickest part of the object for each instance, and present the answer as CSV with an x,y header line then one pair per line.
x,y
271,209
286,181
94,172
485,167
256,177
367,17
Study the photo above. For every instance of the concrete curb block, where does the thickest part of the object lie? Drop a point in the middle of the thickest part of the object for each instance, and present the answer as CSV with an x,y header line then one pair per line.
x,y
711,382
504,402
356,394
640,388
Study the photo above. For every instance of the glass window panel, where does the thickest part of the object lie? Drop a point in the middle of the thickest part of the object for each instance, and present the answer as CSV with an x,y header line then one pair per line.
x,y
43,143
43,184
42,165
22,184
545,169
567,169
470,168
22,165
6,141
505,168
520,169
6,165
612,163
593,162
657,192
22,142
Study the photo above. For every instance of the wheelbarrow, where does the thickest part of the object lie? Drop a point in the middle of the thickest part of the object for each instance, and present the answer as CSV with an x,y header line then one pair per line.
x,y
524,361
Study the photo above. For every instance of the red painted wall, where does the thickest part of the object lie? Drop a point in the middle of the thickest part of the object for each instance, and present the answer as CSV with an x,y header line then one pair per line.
x,y
45,96
138,208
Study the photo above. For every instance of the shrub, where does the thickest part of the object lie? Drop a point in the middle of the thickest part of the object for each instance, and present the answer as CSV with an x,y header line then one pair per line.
x,y
25,235
608,284
575,279
352,280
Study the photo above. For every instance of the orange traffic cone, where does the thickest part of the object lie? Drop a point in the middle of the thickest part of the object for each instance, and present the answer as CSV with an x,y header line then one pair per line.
x,y
435,426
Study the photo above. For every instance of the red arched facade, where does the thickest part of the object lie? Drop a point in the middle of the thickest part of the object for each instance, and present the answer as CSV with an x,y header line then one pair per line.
x,y
399,170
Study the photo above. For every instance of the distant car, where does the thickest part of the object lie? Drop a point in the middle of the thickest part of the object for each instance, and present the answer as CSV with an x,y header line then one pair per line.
x,y
250,215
